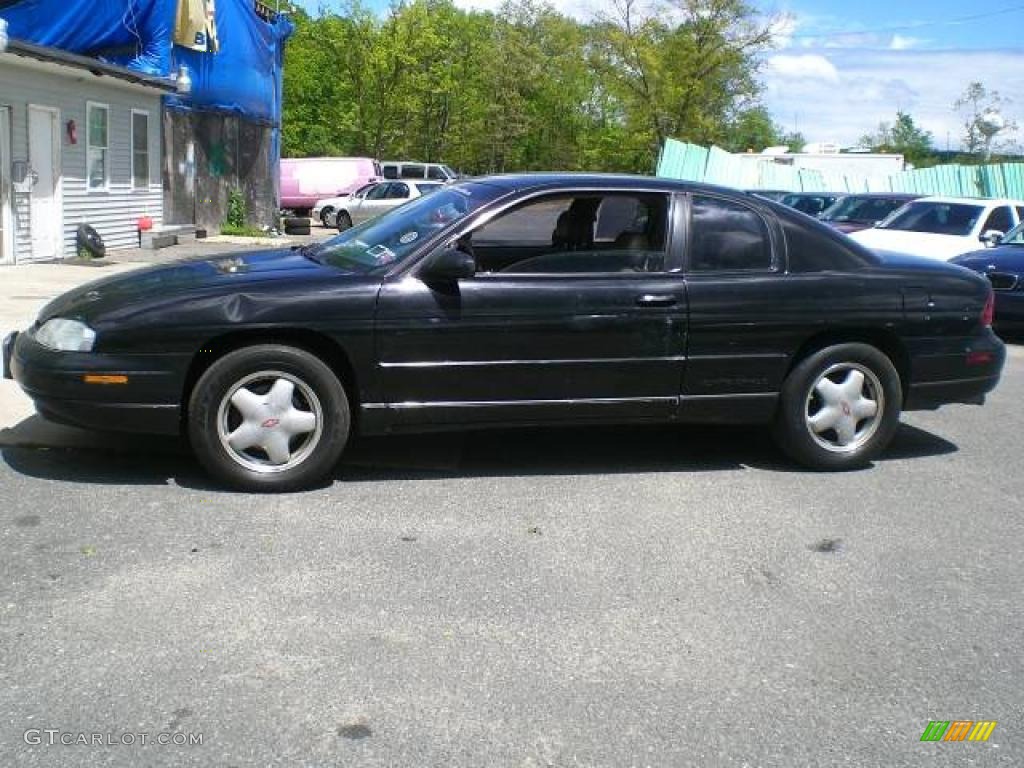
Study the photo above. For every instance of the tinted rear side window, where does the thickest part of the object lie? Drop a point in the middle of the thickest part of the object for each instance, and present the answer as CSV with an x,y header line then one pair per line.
x,y
814,247
727,236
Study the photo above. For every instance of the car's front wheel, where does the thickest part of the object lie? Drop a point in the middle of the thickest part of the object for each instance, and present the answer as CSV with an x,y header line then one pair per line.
x,y
839,407
269,418
325,217
343,220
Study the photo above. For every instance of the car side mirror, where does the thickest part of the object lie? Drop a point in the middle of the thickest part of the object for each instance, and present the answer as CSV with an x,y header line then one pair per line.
x,y
992,237
451,264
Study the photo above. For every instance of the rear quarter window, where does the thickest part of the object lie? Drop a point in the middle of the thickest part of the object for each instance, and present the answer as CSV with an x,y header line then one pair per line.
x,y
814,247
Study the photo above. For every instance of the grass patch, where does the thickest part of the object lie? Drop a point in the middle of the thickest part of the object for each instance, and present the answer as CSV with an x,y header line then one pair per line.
x,y
242,231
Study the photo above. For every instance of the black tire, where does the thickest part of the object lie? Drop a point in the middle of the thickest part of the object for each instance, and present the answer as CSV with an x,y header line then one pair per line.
x,y
315,451
343,221
800,403
88,242
323,216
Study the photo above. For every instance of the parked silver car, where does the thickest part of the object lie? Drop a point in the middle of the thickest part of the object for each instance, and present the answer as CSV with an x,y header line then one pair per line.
x,y
325,210
382,198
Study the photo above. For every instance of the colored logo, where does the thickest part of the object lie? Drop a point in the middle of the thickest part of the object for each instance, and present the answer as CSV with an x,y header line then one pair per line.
x,y
270,423
958,730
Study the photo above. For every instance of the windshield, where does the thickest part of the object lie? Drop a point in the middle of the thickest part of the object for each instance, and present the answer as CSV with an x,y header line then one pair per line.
x,y
937,218
379,243
861,209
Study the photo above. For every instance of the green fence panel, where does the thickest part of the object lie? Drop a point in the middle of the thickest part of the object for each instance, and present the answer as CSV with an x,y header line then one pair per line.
x,y
1013,180
811,180
690,162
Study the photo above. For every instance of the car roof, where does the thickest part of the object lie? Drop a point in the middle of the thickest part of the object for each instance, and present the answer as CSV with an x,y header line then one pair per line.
x,y
525,181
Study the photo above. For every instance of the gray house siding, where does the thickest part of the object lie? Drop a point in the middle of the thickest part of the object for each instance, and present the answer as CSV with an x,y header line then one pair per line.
x,y
114,213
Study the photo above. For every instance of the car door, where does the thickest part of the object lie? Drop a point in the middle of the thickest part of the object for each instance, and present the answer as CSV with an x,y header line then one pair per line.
x,y
587,328
376,202
744,311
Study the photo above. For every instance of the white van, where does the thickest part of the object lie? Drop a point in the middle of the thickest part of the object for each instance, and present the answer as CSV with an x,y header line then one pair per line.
x,y
406,169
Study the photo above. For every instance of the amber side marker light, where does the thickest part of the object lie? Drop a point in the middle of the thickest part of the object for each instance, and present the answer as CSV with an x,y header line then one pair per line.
x,y
105,378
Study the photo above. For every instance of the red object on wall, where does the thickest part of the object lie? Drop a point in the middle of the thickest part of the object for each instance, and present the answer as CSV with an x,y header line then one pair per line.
x,y
72,132
145,224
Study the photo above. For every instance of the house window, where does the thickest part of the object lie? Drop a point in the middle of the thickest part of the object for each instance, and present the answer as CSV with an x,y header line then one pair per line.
x,y
140,149
97,169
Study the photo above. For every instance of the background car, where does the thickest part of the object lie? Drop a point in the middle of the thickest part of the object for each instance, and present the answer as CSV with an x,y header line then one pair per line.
x,y
1003,265
324,211
308,179
811,203
380,199
405,169
943,227
852,213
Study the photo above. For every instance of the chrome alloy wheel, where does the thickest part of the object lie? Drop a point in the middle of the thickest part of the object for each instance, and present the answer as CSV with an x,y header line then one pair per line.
x,y
844,407
269,421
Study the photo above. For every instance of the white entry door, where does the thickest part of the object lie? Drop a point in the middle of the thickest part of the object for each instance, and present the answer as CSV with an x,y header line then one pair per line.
x,y
44,175
6,217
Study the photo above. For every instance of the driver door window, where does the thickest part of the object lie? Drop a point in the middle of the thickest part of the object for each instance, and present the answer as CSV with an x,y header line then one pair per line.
x,y
584,233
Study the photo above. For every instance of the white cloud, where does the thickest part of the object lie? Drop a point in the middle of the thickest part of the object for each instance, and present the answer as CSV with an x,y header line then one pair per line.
x,y
801,67
904,42
858,89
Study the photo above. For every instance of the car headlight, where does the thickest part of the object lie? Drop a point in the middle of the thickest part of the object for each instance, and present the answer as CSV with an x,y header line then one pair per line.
x,y
66,335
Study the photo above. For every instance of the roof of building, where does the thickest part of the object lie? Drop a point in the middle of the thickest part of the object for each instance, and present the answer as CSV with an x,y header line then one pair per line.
x,y
98,68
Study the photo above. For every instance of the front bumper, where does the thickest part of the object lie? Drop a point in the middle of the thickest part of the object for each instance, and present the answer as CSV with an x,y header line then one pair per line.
x,y
149,403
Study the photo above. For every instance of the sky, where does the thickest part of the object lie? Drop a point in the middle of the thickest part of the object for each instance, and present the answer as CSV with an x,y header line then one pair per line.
x,y
840,67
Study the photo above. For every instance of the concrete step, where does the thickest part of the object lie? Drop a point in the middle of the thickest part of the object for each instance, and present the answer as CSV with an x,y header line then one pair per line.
x,y
163,237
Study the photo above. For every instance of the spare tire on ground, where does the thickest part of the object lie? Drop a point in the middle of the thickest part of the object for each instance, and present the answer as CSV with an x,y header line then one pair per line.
x,y
88,243
294,225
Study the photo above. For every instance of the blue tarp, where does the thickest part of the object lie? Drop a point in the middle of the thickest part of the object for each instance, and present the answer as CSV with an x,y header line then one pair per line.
x,y
243,77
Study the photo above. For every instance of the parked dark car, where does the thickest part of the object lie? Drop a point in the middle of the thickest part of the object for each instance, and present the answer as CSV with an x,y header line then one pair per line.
x,y
519,300
1003,265
811,203
851,213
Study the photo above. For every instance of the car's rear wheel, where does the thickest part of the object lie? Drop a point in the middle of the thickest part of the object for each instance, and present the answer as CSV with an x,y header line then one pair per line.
x,y
325,216
269,418
839,407
343,220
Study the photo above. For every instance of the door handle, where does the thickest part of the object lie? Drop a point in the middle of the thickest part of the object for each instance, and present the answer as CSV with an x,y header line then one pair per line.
x,y
657,300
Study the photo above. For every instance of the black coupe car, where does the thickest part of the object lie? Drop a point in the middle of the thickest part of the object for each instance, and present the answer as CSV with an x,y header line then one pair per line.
x,y
1003,265
517,300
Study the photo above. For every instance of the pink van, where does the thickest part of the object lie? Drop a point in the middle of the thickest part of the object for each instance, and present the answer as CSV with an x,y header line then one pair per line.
x,y
308,179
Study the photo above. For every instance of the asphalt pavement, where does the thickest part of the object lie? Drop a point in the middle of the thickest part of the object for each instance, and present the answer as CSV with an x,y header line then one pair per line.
x,y
574,597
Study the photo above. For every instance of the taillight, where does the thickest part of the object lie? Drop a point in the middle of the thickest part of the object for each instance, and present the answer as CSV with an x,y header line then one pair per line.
x,y
989,312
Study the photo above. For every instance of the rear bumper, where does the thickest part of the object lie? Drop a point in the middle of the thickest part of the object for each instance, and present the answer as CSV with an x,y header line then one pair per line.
x,y
149,403
964,374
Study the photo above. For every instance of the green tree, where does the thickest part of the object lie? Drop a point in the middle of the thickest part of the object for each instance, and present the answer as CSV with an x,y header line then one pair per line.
x,y
753,129
984,122
524,87
902,137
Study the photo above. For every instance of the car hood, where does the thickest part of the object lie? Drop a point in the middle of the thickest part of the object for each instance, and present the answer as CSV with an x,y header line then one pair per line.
x,y
1003,258
927,244
216,274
